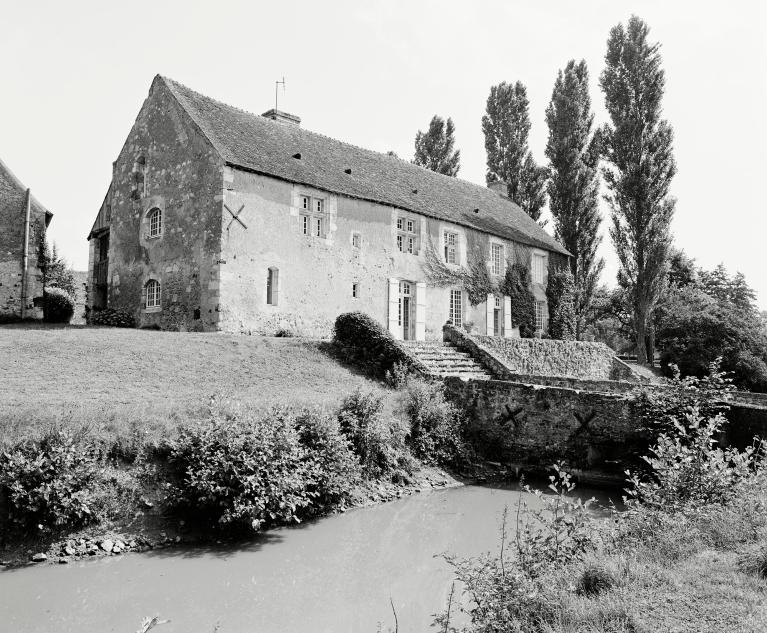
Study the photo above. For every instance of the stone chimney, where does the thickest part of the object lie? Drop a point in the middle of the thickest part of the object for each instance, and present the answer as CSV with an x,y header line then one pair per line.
x,y
282,117
499,187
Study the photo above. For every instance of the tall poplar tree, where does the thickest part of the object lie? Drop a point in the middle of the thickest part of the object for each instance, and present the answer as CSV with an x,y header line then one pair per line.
x,y
506,126
434,148
573,187
637,146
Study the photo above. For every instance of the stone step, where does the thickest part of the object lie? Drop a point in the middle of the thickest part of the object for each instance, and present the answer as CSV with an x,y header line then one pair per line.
x,y
443,360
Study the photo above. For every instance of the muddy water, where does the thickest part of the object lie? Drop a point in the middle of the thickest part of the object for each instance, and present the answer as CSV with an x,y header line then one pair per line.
x,y
336,575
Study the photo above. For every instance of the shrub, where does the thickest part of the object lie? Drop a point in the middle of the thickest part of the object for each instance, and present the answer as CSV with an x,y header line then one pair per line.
x,y
436,425
113,318
688,469
368,344
560,293
244,472
284,332
516,284
48,482
754,560
661,410
595,580
58,306
338,466
398,376
379,441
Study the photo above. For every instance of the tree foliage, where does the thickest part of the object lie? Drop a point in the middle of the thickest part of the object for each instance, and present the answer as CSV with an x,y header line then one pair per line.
x,y
637,147
573,188
713,315
55,272
506,126
434,148
560,294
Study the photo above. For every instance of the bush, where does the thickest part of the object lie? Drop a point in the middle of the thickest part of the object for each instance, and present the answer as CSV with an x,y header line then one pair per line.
x,y
595,580
436,425
379,441
338,466
48,482
754,560
368,344
58,306
517,285
560,293
113,318
688,469
245,472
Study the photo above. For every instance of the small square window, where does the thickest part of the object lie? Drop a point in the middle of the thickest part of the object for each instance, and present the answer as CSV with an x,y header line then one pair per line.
x,y
399,224
305,204
355,290
320,206
356,240
410,226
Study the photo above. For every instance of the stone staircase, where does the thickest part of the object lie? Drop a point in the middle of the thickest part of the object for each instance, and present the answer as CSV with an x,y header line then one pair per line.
x,y
444,359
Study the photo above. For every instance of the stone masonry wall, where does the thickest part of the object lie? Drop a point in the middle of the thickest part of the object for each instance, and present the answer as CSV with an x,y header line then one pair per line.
x,y
183,178
534,426
12,217
547,357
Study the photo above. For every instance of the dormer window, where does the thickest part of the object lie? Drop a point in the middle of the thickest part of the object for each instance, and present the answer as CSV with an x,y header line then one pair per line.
x,y
312,220
408,232
155,223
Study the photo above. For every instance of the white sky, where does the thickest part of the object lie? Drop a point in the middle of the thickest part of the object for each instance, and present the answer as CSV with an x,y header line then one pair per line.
x,y
373,73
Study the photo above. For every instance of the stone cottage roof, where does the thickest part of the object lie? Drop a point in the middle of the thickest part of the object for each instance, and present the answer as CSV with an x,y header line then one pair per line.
x,y
289,152
11,185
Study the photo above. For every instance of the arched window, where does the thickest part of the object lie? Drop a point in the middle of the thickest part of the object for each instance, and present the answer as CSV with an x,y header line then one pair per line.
x,y
155,223
152,293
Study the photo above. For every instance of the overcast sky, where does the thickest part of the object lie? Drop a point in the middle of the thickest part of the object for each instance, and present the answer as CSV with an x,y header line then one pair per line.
x,y
372,74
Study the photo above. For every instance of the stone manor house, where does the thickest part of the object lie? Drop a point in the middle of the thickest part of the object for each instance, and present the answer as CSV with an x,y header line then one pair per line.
x,y
219,219
23,221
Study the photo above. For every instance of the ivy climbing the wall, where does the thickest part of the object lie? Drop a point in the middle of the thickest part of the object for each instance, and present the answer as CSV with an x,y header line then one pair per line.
x,y
516,285
560,293
475,278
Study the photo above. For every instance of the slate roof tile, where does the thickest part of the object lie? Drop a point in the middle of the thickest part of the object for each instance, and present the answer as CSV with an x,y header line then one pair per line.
x,y
258,144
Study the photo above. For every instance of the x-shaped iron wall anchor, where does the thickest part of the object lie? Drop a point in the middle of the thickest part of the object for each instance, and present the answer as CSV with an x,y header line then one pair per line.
x,y
235,216
511,416
584,420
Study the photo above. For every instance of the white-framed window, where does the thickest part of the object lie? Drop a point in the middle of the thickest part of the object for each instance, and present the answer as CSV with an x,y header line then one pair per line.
x,y
312,220
152,294
155,222
408,232
272,285
356,239
498,303
451,247
405,290
539,268
356,290
541,316
496,258
456,307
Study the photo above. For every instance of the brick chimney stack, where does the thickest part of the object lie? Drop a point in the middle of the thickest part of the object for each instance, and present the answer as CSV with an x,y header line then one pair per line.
x,y
282,117
499,187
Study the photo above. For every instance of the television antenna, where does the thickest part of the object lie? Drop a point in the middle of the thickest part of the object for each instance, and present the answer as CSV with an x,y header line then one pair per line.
x,y
276,86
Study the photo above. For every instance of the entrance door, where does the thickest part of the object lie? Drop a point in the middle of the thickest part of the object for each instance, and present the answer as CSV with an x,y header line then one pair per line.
x,y
406,310
498,317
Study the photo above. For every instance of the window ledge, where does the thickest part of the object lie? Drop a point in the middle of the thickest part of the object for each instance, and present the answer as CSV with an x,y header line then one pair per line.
x,y
153,309
153,237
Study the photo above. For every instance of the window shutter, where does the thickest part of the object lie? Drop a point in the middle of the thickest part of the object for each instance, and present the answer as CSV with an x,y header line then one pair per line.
x,y
420,311
394,327
275,286
507,317
489,314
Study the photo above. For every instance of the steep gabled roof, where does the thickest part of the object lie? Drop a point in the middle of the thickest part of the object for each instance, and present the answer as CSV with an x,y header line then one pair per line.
x,y
264,146
10,181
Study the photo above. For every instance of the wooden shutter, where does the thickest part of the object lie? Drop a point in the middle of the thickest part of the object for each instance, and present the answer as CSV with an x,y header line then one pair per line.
x,y
420,311
507,317
394,326
489,314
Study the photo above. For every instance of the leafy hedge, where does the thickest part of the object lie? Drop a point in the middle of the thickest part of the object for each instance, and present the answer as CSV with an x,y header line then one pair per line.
x,y
58,306
368,344
112,317
48,482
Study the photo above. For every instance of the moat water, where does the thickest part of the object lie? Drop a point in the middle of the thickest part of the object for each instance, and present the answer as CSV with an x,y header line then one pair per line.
x,y
337,574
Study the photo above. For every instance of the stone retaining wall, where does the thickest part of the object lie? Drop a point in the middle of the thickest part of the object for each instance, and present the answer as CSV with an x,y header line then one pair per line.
x,y
511,358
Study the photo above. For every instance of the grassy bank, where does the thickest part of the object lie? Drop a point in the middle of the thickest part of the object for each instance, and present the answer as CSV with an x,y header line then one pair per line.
x,y
140,438
118,379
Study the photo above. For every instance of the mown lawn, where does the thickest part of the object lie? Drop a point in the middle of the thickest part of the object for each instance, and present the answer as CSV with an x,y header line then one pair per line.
x,y
98,375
